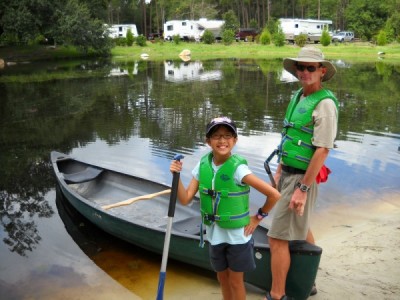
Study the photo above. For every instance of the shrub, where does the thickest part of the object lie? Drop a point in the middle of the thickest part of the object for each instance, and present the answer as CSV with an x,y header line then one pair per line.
x,y
141,40
279,37
176,39
301,40
38,39
120,41
325,38
265,37
381,39
208,37
129,38
228,36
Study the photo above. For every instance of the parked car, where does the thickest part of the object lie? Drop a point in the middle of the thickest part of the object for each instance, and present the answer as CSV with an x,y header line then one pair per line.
x,y
154,35
246,34
343,36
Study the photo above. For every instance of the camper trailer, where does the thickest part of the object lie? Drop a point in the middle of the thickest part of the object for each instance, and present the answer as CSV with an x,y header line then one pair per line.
x,y
312,28
214,26
179,72
120,30
191,29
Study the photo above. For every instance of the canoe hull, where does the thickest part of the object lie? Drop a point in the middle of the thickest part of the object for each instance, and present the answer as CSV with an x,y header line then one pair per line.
x,y
147,230
181,248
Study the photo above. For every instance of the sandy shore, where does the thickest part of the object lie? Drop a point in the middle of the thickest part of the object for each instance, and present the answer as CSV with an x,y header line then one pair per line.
x,y
361,253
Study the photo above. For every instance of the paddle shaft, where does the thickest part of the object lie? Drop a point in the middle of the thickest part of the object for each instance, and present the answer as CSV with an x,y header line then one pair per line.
x,y
171,213
268,169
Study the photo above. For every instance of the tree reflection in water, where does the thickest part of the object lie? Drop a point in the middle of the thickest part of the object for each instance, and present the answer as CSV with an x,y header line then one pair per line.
x,y
22,200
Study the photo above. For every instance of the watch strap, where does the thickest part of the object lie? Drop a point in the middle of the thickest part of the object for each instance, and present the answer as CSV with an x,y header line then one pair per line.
x,y
302,187
260,214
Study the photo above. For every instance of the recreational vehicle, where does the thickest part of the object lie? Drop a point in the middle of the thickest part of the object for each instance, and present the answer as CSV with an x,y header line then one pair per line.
x,y
191,29
312,28
120,30
189,71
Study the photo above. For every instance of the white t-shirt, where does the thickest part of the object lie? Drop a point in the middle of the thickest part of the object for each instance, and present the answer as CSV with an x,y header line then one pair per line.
x,y
215,234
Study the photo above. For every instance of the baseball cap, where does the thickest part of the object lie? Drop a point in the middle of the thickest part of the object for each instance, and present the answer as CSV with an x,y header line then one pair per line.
x,y
220,121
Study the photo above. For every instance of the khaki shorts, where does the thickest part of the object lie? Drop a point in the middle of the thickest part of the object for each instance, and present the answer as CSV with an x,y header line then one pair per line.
x,y
286,224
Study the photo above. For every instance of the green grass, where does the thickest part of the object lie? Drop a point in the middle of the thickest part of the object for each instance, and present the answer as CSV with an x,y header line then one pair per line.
x,y
160,51
166,50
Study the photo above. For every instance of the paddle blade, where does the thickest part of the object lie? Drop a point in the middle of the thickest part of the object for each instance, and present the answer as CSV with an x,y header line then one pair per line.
x,y
161,282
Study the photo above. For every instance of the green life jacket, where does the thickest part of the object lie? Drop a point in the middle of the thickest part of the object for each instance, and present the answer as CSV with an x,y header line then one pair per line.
x,y
296,149
228,203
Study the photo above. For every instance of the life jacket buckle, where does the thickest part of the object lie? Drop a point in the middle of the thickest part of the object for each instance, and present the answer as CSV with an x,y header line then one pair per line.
x,y
209,217
211,193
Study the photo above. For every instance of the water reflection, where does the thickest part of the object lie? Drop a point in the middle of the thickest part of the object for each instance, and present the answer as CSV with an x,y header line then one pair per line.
x,y
134,116
23,187
189,71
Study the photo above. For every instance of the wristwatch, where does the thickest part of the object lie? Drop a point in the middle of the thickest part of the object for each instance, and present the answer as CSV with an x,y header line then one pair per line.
x,y
303,187
260,214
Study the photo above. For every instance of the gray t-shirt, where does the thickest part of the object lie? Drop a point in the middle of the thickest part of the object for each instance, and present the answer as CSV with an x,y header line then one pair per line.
x,y
325,124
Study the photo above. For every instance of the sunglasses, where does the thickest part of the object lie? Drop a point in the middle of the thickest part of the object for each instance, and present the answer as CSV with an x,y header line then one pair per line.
x,y
310,69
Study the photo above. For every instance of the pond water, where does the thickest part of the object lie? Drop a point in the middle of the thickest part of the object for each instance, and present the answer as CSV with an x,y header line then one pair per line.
x,y
134,116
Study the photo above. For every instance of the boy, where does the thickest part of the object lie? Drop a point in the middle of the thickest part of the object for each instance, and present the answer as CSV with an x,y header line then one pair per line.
x,y
223,180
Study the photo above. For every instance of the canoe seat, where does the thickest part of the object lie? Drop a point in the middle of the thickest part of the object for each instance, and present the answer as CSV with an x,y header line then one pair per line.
x,y
87,174
188,226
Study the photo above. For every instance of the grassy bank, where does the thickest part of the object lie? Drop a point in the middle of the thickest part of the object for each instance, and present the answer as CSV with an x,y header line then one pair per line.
x,y
353,51
168,50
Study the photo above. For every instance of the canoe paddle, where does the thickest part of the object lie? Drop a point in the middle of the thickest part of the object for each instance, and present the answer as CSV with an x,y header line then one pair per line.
x,y
131,200
171,212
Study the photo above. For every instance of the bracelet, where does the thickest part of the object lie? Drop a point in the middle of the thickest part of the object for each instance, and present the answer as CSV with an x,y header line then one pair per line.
x,y
260,214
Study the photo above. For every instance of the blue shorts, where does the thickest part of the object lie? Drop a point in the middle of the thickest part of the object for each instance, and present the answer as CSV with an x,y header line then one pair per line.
x,y
238,258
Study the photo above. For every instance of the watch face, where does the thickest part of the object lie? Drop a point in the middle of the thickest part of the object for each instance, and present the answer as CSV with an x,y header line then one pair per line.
x,y
302,187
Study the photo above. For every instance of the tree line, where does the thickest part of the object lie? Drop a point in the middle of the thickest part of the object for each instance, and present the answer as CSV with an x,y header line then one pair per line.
x,y
80,22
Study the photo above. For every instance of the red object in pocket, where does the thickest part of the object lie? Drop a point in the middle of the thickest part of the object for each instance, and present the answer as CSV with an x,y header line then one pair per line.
x,y
323,174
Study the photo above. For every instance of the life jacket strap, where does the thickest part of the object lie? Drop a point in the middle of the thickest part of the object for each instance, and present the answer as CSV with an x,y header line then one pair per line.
x,y
201,243
213,218
287,124
299,142
298,157
224,193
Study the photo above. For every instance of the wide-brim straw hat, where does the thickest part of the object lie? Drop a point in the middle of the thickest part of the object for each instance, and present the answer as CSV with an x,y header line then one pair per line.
x,y
309,54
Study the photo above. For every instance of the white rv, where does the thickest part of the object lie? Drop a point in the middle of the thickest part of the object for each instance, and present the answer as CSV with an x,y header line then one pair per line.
x,y
191,29
312,28
214,26
179,72
120,30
